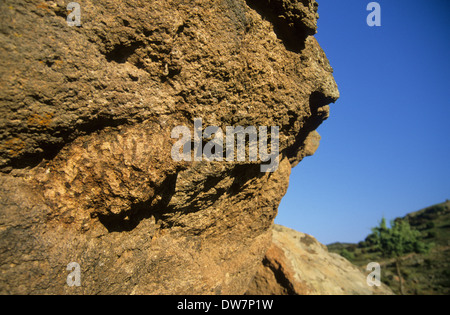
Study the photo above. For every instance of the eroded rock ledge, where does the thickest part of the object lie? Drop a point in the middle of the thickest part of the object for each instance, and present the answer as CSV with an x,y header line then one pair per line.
x,y
86,115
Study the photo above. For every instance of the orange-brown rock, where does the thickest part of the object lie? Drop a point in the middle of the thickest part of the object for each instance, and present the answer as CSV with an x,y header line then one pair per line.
x,y
86,115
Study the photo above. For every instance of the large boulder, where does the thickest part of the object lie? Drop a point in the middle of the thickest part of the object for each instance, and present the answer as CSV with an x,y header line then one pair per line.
x,y
87,113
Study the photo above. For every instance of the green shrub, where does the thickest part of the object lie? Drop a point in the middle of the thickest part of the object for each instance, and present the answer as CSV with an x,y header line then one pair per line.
x,y
430,225
362,244
347,255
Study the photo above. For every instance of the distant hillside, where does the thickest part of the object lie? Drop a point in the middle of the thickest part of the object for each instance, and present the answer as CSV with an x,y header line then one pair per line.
x,y
422,273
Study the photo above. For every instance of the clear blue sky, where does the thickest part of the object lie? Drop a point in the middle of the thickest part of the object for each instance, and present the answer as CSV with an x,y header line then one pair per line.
x,y
385,150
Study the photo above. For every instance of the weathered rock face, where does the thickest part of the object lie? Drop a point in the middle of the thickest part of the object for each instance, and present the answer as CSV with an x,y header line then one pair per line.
x,y
85,145
297,264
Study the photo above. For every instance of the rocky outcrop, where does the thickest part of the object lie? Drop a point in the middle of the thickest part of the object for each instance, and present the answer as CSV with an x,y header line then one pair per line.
x,y
87,112
297,264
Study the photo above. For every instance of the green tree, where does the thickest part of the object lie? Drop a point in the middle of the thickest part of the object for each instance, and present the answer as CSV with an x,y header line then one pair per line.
x,y
398,240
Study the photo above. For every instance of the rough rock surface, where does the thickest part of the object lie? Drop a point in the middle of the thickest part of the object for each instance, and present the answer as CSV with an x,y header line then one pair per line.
x,y
297,264
86,116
